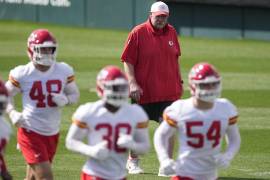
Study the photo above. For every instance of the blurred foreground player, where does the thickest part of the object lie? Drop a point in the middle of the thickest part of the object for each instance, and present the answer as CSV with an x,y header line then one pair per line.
x,y
5,131
201,122
111,126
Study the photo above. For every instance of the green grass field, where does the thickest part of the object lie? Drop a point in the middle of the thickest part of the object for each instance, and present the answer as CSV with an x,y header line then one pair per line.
x,y
244,66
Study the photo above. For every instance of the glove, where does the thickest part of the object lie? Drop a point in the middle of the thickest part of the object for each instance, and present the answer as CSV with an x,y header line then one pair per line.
x,y
222,161
125,141
16,117
59,99
167,167
100,150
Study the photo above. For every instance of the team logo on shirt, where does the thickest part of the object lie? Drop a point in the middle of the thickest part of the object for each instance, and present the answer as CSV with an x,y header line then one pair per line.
x,y
170,43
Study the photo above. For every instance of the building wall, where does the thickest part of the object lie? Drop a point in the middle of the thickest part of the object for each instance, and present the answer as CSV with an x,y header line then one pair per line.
x,y
208,20
189,19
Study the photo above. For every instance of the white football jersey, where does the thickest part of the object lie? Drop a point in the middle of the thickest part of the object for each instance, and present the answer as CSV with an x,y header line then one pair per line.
x,y
41,114
200,133
104,125
5,132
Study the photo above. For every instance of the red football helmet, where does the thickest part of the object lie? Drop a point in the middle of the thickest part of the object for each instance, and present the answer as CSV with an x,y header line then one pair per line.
x,y
204,82
3,97
42,47
112,86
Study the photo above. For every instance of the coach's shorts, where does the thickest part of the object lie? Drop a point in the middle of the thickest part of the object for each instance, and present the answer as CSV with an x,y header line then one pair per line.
x,y
85,176
37,148
155,110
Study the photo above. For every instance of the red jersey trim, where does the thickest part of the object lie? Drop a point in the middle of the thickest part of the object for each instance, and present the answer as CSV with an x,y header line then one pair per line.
x,y
142,125
233,120
70,79
170,121
14,82
80,124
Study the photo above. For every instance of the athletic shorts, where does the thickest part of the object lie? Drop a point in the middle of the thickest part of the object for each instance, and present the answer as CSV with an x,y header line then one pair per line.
x,y
181,178
85,176
155,110
210,176
37,148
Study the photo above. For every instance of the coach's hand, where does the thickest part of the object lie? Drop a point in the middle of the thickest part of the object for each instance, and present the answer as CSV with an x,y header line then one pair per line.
x,y
135,91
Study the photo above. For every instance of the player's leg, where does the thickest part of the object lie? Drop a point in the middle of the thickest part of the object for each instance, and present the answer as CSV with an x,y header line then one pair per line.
x,y
133,164
38,151
42,171
29,173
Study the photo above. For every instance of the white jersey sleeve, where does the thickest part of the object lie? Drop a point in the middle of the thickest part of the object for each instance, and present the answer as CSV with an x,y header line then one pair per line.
x,y
69,72
16,75
79,118
231,111
141,135
172,113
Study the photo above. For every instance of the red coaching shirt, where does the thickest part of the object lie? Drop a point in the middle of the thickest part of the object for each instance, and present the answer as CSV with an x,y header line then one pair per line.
x,y
154,55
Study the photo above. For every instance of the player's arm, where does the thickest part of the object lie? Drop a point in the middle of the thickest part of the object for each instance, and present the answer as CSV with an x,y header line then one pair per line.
x,y
139,142
13,88
161,139
70,96
233,141
135,89
72,92
161,143
74,142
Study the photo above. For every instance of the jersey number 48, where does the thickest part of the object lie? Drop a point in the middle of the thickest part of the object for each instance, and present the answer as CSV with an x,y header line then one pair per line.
x,y
37,94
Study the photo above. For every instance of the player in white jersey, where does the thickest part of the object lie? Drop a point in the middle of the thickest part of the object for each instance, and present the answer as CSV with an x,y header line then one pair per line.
x,y
201,122
5,132
46,86
111,126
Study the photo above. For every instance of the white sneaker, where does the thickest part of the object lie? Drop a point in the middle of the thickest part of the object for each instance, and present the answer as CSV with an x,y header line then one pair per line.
x,y
133,166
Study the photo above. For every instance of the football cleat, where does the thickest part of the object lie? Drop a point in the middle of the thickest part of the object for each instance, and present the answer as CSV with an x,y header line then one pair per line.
x,y
133,166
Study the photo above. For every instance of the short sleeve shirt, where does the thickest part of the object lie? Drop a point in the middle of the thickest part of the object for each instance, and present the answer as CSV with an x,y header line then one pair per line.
x,y
154,55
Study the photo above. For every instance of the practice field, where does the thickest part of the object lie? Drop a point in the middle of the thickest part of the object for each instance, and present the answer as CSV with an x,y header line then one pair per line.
x,y
244,66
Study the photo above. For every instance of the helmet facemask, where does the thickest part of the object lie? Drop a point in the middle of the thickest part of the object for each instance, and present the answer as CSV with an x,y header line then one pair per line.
x,y
44,54
206,90
116,92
